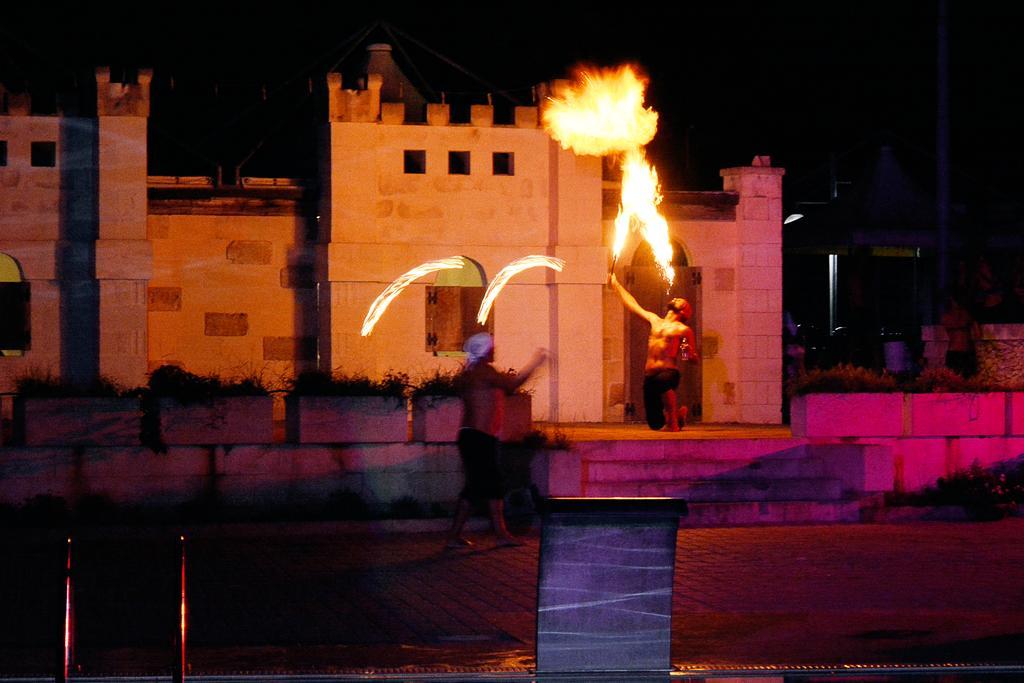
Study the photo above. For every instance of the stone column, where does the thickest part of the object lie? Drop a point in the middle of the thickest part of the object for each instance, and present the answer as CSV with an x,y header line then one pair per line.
x,y
124,255
758,289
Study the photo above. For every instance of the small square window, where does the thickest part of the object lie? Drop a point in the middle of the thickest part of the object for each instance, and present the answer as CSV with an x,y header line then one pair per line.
x,y
458,163
3,152
504,163
44,154
415,161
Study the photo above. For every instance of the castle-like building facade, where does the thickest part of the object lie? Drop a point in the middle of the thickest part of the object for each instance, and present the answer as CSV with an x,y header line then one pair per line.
x,y
106,270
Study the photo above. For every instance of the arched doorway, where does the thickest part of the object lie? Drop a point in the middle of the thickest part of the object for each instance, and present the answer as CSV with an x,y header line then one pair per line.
x,y
452,304
645,283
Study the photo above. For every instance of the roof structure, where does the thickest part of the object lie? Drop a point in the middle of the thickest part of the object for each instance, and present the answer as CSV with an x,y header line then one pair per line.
x,y
229,122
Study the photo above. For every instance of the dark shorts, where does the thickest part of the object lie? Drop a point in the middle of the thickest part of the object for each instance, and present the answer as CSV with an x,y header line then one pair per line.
x,y
479,453
655,385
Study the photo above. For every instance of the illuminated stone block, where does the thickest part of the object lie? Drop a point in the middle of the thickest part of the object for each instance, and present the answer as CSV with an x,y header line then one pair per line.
x,y
958,414
436,418
855,414
346,419
222,421
77,421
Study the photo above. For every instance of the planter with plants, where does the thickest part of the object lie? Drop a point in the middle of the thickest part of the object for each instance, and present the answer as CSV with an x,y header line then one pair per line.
x,y
436,408
845,401
182,408
848,401
942,403
51,412
323,407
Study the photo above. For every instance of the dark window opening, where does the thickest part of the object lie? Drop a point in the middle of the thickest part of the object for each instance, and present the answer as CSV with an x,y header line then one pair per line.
x,y
14,312
44,154
458,163
415,161
504,163
3,152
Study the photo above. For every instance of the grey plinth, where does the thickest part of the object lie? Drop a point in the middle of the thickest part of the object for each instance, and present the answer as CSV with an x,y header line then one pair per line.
x,y
605,587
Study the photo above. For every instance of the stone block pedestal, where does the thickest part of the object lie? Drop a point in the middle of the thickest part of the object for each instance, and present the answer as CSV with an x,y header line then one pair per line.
x,y
605,584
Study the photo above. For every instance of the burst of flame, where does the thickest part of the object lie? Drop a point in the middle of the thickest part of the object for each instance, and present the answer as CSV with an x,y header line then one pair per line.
x,y
383,300
602,113
506,273
641,196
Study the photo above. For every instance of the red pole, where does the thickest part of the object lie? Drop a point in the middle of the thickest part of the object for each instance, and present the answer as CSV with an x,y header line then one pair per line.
x,y
179,634
66,651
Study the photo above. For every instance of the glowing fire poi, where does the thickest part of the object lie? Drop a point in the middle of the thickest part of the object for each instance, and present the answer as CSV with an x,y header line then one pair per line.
x,y
603,113
383,300
506,273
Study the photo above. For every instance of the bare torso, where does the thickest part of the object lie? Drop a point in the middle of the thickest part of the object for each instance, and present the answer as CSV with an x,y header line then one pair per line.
x,y
663,345
483,389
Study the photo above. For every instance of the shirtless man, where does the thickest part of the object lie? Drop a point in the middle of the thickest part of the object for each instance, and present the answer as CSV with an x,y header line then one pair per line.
x,y
483,390
661,371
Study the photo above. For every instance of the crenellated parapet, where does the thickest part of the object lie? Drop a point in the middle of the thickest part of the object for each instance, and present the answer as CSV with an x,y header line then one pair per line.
x,y
359,105
368,106
122,99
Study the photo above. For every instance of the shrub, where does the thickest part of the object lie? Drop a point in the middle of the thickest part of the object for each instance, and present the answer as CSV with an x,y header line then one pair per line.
x,y
171,381
984,493
844,379
841,379
538,440
45,385
320,383
937,380
438,383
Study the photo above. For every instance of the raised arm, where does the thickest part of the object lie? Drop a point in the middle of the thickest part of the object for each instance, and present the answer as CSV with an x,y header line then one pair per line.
x,y
631,302
510,382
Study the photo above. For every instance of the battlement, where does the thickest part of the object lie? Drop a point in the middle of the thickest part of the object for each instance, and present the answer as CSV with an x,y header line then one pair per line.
x,y
122,99
13,103
367,106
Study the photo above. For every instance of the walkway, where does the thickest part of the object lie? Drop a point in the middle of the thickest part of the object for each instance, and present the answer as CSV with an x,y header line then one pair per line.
x,y
337,598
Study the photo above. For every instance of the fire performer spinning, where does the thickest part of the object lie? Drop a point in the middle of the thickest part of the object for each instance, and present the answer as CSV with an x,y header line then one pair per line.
x,y
671,341
483,389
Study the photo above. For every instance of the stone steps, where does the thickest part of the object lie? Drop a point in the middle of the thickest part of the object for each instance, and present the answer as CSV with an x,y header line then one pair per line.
x,y
725,490
704,468
772,512
742,481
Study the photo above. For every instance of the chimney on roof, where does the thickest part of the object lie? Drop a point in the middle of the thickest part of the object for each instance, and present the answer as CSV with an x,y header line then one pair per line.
x,y
396,86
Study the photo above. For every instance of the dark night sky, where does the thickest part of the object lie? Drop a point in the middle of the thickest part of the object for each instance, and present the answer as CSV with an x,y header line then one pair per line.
x,y
795,80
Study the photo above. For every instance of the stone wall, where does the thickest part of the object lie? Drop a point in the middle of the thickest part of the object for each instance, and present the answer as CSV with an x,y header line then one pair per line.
x,y
232,290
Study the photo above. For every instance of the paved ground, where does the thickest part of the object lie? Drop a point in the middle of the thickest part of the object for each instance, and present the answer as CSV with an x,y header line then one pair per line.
x,y
323,598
